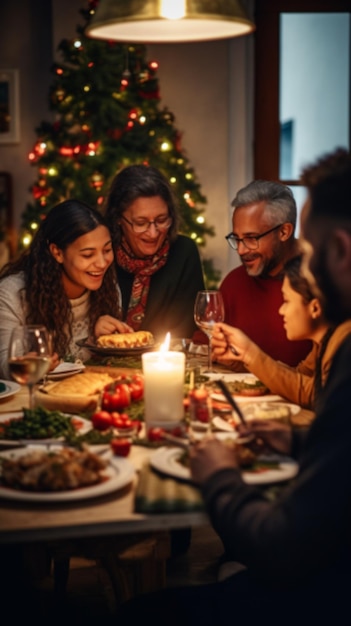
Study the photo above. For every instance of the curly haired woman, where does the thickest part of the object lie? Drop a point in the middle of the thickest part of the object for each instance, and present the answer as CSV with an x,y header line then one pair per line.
x,y
65,281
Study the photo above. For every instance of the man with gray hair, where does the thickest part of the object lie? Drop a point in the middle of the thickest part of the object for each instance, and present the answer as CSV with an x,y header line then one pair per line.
x,y
264,221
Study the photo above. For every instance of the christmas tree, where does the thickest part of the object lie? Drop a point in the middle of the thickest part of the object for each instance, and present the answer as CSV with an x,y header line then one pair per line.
x,y
108,115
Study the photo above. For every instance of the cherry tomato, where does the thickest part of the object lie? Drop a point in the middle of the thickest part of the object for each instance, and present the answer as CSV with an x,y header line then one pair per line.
x,y
116,397
178,431
155,434
123,422
121,447
136,386
137,424
101,420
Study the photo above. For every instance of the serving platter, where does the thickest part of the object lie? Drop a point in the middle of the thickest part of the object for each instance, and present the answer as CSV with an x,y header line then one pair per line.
x,y
233,377
89,345
118,473
10,389
167,461
82,426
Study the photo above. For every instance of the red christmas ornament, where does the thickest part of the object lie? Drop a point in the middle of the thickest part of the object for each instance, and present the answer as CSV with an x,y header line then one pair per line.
x,y
178,142
97,181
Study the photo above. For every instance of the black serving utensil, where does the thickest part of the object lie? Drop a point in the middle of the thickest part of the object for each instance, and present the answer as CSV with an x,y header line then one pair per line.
x,y
231,400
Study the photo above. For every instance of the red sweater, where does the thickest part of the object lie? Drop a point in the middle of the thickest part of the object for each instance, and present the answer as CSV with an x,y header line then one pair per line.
x,y
252,305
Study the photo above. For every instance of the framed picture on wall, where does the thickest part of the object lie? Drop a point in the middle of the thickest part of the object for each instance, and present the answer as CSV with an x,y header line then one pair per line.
x,y
8,235
9,106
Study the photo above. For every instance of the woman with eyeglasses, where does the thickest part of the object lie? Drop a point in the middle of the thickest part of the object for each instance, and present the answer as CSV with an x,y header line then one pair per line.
x,y
159,271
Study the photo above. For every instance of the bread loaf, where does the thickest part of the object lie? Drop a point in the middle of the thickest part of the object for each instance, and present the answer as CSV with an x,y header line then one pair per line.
x,y
85,384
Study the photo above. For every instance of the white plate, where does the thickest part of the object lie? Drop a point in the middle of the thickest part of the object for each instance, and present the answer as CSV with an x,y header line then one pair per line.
x,y
219,397
11,389
85,427
249,410
63,370
231,378
165,460
119,473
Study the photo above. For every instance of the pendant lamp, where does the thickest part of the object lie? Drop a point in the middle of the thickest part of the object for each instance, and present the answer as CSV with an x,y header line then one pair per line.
x,y
168,21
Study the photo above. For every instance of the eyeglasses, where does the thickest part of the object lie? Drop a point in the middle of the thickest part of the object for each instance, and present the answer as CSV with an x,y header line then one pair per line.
x,y
141,226
250,242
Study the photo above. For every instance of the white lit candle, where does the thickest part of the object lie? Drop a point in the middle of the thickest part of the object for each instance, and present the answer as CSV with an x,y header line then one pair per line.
x,y
164,373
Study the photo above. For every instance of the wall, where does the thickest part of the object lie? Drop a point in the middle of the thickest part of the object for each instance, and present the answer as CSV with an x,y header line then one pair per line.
x,y
25,44
207,86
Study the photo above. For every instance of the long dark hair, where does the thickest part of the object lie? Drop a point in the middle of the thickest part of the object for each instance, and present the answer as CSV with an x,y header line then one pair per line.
x,y
299,283
46,300
131,183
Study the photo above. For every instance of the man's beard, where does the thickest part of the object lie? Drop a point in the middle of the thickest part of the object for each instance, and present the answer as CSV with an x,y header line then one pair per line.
x,y
332,301
266,266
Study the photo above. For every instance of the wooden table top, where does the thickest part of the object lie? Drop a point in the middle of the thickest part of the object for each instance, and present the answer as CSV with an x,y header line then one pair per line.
x,y
105,515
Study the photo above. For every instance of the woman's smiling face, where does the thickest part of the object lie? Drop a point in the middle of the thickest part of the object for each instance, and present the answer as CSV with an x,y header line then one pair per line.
x,y
297,314
144,209
85,261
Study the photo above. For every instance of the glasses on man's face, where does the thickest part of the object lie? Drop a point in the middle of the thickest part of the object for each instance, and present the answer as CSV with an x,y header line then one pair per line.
x,y
251,241
141,225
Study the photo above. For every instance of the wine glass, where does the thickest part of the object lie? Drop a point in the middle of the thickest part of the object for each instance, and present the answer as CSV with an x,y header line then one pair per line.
x,y
29,356
208,310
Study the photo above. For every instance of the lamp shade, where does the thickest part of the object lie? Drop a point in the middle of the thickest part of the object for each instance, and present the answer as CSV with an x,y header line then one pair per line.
x,y
168,21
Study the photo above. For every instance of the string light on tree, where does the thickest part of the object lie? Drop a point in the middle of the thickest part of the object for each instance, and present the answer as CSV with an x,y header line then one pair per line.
x,y
113,119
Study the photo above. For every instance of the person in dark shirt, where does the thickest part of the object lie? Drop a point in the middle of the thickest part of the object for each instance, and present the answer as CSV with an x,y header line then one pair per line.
x,y
295,549
159,271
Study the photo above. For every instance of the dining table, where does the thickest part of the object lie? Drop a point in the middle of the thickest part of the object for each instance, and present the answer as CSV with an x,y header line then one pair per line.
x,y
119,515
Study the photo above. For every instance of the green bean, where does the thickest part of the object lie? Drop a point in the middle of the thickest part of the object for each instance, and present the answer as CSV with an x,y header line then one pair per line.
x,y
38,423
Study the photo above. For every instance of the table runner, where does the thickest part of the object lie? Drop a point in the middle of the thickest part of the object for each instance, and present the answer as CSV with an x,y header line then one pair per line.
x,y
156,493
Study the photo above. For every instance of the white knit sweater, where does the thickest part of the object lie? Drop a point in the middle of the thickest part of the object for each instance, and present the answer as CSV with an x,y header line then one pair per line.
x,y
13,312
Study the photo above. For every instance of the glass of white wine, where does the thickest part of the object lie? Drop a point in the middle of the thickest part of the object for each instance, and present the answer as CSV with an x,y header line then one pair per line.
x,y
208,310
29,356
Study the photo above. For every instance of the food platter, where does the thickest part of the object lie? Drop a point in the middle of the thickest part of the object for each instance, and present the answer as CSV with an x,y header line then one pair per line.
x,y
82,426
89,345
118,473
65,369
240,377
166,461
10,389
253,411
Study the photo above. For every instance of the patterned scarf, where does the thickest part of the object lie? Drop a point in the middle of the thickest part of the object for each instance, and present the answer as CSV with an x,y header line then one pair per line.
x,y
142,270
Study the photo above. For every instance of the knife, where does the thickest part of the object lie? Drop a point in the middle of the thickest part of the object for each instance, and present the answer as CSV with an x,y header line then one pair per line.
x,y
231,400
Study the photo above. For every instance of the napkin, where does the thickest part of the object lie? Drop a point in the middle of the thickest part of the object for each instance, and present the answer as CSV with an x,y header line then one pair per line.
x,y
157,494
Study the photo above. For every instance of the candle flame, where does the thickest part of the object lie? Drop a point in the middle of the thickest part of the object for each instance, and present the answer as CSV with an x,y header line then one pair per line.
x,y
165,345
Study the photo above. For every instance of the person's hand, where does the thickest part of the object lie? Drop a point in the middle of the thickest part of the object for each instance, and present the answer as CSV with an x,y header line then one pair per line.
x,y
274,434
226,337
208,456
106,325
54,361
